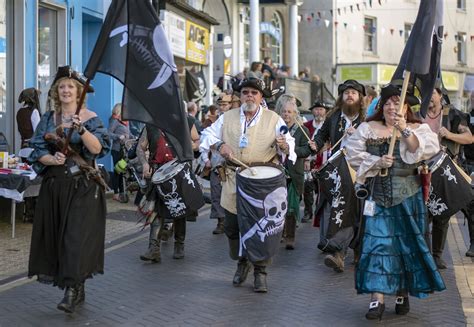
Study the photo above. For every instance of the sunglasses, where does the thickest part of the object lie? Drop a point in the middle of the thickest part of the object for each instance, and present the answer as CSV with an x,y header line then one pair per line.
x,y
253,92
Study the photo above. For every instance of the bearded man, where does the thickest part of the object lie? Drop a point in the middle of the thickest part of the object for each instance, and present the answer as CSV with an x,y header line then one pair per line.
x,y
340,124
251,134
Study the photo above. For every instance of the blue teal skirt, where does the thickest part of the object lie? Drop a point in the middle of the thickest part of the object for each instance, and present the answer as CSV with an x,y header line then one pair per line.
x,y
394,255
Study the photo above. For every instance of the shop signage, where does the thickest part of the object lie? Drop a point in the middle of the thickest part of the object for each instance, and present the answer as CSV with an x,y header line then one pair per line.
x,y
227,46
450,80
270,29
385,73
197,43
362,74
175,28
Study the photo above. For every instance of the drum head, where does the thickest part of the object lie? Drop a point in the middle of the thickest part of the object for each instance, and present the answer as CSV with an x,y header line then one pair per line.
x,y
260,172
167,171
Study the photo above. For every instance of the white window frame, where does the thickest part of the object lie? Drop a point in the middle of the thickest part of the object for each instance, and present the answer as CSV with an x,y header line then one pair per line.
x,y
369,33
461,48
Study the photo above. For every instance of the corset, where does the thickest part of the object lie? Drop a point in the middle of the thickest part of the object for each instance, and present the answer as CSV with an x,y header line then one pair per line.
x,y
402,180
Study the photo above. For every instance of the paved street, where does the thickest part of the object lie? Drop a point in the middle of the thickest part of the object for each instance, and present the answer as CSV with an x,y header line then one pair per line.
x,y
197,291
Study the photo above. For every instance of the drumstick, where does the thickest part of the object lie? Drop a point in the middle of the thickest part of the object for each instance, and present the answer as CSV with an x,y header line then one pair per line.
x,y
252,171
301,127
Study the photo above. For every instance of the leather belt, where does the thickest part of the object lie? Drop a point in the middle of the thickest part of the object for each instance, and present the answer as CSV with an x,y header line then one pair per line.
x,y
401,172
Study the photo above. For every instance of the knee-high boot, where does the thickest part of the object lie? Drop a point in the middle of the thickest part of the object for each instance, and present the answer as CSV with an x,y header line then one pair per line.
x,y
470,224
179,236
153,252
290,227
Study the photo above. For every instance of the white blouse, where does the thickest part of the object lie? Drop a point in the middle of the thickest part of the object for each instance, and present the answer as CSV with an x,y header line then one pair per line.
x,y
368,165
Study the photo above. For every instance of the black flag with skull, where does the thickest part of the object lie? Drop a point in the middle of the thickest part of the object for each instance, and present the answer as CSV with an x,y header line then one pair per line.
x,y
261,209
132,47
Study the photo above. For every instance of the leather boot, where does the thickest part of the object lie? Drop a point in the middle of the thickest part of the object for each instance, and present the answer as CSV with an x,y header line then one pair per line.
x,y
290,224
179,236
439,233
260,281
81,294
178,251
335,261
220,227
68,303
470,224
153,252
243,268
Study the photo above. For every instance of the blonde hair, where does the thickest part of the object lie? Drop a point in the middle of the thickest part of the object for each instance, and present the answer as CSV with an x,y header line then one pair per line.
x,y
54,93
117,110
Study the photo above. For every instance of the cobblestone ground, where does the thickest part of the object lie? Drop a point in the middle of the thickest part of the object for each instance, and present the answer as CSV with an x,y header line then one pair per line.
x,y
198,291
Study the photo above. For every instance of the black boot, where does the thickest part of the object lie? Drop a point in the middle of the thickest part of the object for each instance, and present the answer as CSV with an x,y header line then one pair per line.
x,y
376,310
81,294
290,226
179,237
470,224
68,304
260,281
178,251
153,252
439,233
402,305
470,252
243,268
220,227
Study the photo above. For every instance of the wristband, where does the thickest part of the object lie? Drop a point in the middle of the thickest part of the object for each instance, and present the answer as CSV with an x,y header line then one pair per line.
x,y
406,132
219,146
81,130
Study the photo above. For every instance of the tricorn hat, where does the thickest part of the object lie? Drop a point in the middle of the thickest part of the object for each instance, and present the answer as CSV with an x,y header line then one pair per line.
x,y
395,88
67,71
351,84
254,83
320,104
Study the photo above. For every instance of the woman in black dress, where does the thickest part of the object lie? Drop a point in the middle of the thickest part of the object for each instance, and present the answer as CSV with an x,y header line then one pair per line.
x,y
67,245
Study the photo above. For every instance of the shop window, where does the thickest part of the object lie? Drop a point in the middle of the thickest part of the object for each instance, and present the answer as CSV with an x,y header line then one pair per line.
x,y
370,35
275,44
47,49
407,31
461,48
5,114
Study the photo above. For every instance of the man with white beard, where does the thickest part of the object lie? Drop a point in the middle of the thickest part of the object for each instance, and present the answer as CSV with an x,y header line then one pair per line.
x,y
250,134
319,110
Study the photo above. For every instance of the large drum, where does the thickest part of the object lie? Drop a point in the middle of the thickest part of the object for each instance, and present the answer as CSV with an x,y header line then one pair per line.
x,y
261,209
178,190
450,189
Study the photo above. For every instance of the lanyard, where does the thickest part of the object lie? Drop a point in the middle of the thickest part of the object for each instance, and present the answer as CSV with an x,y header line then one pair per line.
x,y
251,121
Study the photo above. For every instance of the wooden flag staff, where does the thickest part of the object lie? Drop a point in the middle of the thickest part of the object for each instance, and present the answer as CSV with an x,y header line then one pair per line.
x,y
406,79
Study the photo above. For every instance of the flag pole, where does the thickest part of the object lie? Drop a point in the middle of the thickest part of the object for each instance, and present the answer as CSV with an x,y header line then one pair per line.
x,y
406,79
78,109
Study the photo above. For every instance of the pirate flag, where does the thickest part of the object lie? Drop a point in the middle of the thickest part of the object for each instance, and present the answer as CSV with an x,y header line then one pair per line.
x,y
336,185
194,86
422,52
132,47
450,189
261,209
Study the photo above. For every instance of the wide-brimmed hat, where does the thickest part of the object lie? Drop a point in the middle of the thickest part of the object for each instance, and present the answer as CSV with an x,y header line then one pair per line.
x,y
67,71
320,104
351,84
224,98
254,83
395,88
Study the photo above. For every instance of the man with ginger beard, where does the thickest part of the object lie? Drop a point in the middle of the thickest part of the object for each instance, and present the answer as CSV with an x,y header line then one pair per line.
x,y
339,125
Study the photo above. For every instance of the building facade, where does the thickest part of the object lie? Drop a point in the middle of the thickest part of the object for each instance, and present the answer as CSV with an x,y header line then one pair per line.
x,y
364,40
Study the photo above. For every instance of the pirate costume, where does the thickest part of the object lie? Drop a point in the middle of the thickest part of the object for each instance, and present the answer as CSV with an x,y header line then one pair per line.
x,y
394,257
67,246
251,142
332,131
